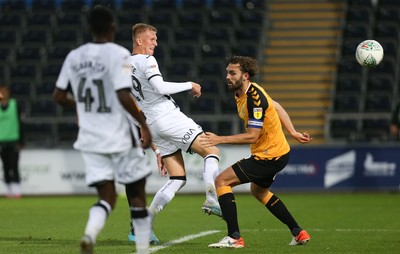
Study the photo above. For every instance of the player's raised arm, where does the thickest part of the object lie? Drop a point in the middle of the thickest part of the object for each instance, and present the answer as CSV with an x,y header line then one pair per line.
x,y
284,117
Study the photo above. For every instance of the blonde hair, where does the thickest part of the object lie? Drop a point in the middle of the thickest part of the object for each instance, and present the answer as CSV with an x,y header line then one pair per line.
x,y
140,28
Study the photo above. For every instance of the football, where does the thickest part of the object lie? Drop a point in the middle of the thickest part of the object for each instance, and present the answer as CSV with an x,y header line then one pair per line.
x,y
369,53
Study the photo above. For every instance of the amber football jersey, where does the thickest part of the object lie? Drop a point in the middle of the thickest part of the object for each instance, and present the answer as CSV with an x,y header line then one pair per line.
x,y
256,109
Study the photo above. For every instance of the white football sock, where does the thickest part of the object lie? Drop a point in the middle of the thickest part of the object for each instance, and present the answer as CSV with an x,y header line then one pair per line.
x,y
97,219
142,232
210,172
165,195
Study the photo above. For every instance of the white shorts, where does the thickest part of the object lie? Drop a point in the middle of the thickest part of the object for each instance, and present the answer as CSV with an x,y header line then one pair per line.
x,y
124,167
174,131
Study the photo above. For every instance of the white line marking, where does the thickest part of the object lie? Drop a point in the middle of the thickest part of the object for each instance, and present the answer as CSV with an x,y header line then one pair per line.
x,y
326,230
181,240
204,233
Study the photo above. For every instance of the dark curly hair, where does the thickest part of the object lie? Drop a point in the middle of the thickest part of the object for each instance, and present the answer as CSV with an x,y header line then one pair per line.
x,y
247,64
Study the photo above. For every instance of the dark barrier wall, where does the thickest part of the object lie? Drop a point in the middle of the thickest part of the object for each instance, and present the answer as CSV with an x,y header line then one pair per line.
x,y
350,168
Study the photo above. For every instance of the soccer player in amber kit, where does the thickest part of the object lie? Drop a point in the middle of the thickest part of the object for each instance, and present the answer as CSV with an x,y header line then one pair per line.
x,y
269,152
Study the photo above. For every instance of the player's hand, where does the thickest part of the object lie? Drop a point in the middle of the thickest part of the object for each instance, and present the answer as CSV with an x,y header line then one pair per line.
x,y
1,96
162,169
208,139
196,90
303,138
146,136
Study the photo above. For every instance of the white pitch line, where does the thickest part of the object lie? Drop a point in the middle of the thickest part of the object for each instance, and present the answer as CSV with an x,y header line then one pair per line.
x,y
181,240
204,233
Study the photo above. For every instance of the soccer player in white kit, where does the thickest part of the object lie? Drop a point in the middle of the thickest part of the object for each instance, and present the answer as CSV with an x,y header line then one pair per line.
x,y
99,75
172,131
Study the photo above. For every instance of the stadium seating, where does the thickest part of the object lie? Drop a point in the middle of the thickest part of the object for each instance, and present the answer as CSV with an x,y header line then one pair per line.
x,y
194,39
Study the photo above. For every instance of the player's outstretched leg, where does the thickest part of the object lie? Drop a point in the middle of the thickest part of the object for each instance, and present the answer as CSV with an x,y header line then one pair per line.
x,y
210,172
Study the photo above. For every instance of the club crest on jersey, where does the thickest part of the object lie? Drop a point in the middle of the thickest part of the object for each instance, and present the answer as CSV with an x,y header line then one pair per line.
x,y
257,113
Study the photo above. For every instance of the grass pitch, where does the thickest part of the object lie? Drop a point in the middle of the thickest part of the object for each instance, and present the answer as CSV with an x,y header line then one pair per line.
x,y
337,223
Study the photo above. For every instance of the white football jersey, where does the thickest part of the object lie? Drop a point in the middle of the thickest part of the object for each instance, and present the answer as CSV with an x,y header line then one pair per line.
x,y
95,72
153,104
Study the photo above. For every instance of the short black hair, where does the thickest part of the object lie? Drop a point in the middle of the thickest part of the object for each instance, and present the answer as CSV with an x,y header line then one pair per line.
x,y
100,19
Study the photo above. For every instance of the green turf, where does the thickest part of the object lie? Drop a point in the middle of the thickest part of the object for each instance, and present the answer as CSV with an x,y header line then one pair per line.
x,y
337,223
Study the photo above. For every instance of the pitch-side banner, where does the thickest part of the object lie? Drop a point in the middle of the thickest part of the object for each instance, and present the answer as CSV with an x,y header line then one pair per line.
x,y
61,172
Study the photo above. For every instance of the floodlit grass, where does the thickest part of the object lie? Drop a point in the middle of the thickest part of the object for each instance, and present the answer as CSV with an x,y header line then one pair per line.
x,y
337,223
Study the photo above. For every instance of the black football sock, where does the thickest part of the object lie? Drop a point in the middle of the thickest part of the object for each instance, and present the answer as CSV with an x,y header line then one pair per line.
x,y
228,206
279,210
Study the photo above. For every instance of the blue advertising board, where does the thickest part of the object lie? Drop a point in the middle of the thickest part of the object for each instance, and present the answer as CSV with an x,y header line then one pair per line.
x,y
346,168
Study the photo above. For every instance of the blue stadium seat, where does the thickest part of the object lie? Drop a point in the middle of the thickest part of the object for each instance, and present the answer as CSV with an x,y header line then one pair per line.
x,y
254,4
183,51
67,132
29,53
39,134
65,37
359,14
187,35
214,51
163,4
129,5
162,18
246,49
22,70
37,36
21,89
349,65
109,3
72,20
46,87
228,105
8,37
73,5
251,17
380,83
344,129
388,66
212,85
376,129
52,70
222,18
247,34
40,6
351,84
379,102
180,70
388,14
349,46
347,103
58,53
40,20
129,18
360,3
387,30
203,105
8,6
208,69
218,34
225,5
191,18
357,29
10,20
5,53
43,108
194,4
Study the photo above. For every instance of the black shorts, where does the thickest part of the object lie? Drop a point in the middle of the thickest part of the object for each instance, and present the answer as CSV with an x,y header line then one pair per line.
x,y
260,172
